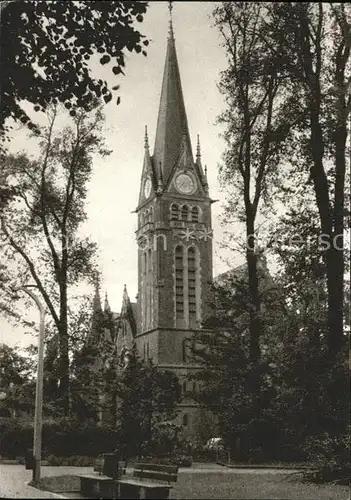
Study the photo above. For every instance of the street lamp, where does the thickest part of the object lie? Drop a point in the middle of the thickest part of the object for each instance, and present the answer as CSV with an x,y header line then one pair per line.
x,y
38,415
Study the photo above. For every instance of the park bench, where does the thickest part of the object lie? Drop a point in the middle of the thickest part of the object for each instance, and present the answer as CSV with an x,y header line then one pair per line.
x,y
102,482
149,481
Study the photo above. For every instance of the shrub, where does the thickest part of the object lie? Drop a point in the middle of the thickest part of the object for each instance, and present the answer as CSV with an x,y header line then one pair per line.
x,y
61,438
329,457
180,460
75,461
15,438
75,438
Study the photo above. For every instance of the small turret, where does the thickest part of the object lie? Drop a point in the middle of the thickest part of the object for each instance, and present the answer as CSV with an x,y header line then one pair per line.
x,y
107,308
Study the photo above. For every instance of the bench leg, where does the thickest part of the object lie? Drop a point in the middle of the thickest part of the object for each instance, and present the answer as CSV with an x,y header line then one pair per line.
x,y
157,494
128,492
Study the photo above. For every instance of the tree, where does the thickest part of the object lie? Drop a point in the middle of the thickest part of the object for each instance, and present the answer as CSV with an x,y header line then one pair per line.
x,y
16,380
41,222
257,124
46,48
315,41
225,380
146,396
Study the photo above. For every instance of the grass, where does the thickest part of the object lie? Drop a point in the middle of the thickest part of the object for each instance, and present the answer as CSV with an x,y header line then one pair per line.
x,y
229,484
235,486
60,484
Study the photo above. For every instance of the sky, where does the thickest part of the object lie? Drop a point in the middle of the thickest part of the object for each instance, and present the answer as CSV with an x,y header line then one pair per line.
x,y
114,187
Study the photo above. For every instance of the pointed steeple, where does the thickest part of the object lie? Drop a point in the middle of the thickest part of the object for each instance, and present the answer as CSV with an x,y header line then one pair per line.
x,y
172,121
205,180
198,151
107,307
148,171
125,303
146,139
97,300
97,316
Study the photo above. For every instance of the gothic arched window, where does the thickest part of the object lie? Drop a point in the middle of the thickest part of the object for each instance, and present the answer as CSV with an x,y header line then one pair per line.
x,y
179,282
192,283
185,420
195,214
185,212
174,212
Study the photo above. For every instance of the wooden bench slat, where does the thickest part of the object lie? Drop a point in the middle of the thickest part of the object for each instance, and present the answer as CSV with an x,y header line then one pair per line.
x,y
173,469
145,484
94,477
150,474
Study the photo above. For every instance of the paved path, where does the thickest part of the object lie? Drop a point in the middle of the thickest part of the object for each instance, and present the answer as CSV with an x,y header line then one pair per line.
x,y
14,478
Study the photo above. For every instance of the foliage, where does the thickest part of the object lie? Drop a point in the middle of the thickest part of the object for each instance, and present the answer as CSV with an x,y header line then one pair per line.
x,y
46,48
146,395
329,457
172,459
15,438
41,223
15,380
314,42
62,437
74,460
258,120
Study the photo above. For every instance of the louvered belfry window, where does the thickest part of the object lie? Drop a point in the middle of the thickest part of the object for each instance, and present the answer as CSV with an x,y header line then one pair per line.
x,y
179,282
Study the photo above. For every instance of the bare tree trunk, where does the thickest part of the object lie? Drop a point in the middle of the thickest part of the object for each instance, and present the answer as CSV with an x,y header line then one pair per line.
x,y
255,306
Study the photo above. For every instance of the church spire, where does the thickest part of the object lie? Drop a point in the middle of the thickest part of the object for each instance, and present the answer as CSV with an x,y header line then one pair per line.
x,y
125,303
170,31
172,121
146,140
107,307
198,150
97,300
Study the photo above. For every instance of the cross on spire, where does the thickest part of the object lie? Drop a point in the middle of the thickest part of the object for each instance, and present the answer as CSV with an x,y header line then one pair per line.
x,y
198,149
146,140
170,8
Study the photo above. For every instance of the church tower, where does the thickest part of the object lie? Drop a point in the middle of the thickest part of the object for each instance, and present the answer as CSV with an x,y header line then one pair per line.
x,y
174,238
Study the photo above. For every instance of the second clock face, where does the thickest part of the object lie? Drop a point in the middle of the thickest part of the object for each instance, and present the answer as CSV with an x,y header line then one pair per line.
x,y
147,187
184,183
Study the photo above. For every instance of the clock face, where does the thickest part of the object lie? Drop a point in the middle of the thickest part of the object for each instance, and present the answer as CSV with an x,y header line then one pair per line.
x,y
185,183
147,187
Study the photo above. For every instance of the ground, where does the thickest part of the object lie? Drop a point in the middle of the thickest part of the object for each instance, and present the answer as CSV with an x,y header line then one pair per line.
x,y
208,481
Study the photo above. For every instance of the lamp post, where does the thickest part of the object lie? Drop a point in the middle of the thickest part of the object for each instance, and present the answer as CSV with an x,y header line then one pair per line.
x,y
38,415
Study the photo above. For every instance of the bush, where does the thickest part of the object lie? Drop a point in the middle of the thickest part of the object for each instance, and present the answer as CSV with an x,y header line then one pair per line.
x,y
75,461
75,438
180,460
61,438
329,458
15,438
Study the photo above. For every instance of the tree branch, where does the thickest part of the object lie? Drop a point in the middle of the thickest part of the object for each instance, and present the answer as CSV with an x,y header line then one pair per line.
x,y
19,249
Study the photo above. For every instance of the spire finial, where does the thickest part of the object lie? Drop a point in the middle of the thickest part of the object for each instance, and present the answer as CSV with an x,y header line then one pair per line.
x,y
170,7
198,149
146,143
106,304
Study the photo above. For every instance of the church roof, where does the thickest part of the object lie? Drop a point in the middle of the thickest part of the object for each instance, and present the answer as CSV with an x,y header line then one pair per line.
x,y
172,124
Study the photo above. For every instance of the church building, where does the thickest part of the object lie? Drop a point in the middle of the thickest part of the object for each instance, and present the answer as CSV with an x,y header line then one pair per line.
x,y
174,240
